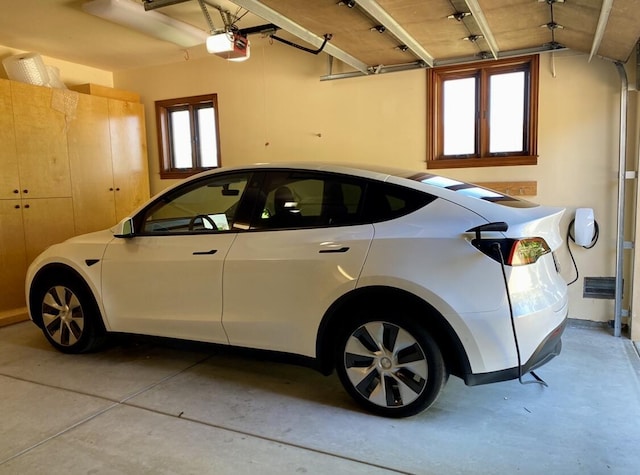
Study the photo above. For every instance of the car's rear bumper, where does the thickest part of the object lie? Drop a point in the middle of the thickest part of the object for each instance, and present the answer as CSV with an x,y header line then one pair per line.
x,y
547,350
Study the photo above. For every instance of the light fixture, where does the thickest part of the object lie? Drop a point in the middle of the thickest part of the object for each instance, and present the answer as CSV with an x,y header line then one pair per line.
x,y
229,45
458,16
473,38
152,23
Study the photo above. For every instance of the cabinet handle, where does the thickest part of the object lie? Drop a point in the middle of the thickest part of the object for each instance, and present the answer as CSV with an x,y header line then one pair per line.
x,y
26,206
110,189
25,191
17,206
117,189
16,191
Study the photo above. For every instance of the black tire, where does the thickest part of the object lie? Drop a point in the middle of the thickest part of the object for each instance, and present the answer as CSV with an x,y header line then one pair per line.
x,y
391,366
68,314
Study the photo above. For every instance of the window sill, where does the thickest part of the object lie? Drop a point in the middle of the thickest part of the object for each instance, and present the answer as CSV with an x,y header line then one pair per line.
x,y
482,162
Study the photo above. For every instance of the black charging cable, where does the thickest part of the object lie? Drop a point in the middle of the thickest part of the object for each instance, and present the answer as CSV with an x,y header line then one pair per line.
x,y
537,379
596,235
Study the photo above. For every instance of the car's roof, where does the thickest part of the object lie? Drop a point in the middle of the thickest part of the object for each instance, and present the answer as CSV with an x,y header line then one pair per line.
x,y
489,204
378,172
454,190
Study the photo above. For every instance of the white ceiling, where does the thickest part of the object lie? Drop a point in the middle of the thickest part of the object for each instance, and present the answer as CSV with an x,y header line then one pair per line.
x,y
60,29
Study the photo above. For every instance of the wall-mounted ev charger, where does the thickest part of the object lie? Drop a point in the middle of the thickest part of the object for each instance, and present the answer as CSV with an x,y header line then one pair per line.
x,y
584,227
583,230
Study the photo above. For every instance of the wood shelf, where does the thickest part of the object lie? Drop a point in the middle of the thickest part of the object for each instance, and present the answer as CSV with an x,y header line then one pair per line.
x,y
512,188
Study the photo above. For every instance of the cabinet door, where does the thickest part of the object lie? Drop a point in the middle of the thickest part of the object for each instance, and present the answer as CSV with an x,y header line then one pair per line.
x,y
129,155
46,221
13,261
90,162
9,182
41,139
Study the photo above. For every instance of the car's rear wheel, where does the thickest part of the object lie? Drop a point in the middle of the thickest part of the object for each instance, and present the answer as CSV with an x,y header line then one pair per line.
x,y
391,367
69,315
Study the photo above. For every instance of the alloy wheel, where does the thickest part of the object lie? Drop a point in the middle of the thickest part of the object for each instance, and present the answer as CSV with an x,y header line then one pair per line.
x,y
62,315
385,364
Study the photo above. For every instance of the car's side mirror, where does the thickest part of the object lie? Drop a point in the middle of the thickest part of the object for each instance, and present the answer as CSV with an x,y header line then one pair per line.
x,y
124,229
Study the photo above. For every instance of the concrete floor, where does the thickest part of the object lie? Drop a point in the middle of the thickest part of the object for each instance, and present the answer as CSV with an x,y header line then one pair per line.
x,y
145,406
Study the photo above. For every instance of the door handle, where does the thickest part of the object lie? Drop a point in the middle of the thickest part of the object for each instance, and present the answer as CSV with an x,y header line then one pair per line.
x,y
339,249
204,253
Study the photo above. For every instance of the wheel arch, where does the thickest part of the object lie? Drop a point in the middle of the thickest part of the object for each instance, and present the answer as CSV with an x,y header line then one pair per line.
x,y
337,316
47,271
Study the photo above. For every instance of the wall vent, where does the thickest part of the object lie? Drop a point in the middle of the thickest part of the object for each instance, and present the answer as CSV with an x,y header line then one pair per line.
x,y
599,288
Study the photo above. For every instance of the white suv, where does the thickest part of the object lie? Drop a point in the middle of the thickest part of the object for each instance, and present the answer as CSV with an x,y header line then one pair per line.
x,y
394,278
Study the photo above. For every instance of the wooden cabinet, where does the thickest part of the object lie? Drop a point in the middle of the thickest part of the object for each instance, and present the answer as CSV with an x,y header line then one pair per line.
x,y
13,255
106,141
70,163
91,168
9,175
41,142
46,221
130,174
12,246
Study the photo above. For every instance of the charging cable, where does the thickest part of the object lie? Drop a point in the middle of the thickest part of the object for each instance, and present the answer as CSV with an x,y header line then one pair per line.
x,y
570,236
537,379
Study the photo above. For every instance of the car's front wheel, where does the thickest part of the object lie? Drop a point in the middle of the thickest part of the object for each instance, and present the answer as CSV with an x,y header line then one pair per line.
x,y
390,367
69,316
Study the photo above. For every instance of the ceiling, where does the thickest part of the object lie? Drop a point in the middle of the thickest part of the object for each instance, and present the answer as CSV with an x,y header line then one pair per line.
x,y
368,35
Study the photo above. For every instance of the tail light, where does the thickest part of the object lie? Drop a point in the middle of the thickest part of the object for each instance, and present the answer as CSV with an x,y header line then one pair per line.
x,y
513,252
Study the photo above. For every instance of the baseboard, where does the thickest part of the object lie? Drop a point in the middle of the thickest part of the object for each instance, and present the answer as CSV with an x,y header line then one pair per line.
x,y
9,317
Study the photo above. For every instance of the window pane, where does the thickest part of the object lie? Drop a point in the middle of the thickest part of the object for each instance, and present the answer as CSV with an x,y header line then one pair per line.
x,y
207,137
459,116
207,206
305,200
506,127
181,139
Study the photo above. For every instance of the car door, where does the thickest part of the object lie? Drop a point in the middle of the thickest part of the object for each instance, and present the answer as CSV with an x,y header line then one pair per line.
x,y
306,248
167,279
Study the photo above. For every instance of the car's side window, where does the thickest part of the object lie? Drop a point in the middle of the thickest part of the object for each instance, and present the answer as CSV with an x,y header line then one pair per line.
x,y
386,201
309,199
209,205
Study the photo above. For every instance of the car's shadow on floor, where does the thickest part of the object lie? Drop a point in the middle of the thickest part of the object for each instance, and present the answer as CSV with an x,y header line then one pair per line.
x,y
243,370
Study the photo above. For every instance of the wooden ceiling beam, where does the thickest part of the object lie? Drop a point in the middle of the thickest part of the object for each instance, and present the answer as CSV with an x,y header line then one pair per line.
x,y
374,10
607,5
481,21
272,16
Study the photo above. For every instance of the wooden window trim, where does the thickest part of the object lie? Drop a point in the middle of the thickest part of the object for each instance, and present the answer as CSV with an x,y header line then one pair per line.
x,y
164,138
483,70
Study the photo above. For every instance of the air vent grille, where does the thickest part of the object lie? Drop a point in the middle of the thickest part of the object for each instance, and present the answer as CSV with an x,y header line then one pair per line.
x,y
599,287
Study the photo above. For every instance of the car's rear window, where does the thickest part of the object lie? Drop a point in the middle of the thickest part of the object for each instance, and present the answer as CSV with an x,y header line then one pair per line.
x,y
386,201
474,191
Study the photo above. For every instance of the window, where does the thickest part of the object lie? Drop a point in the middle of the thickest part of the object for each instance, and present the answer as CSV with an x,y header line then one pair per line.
x,y
386,201
483,114
304,200
206,206
311,200
188,138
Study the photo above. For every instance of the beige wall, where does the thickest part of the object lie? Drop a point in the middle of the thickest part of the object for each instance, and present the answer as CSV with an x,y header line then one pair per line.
x,y
274,107
70,73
